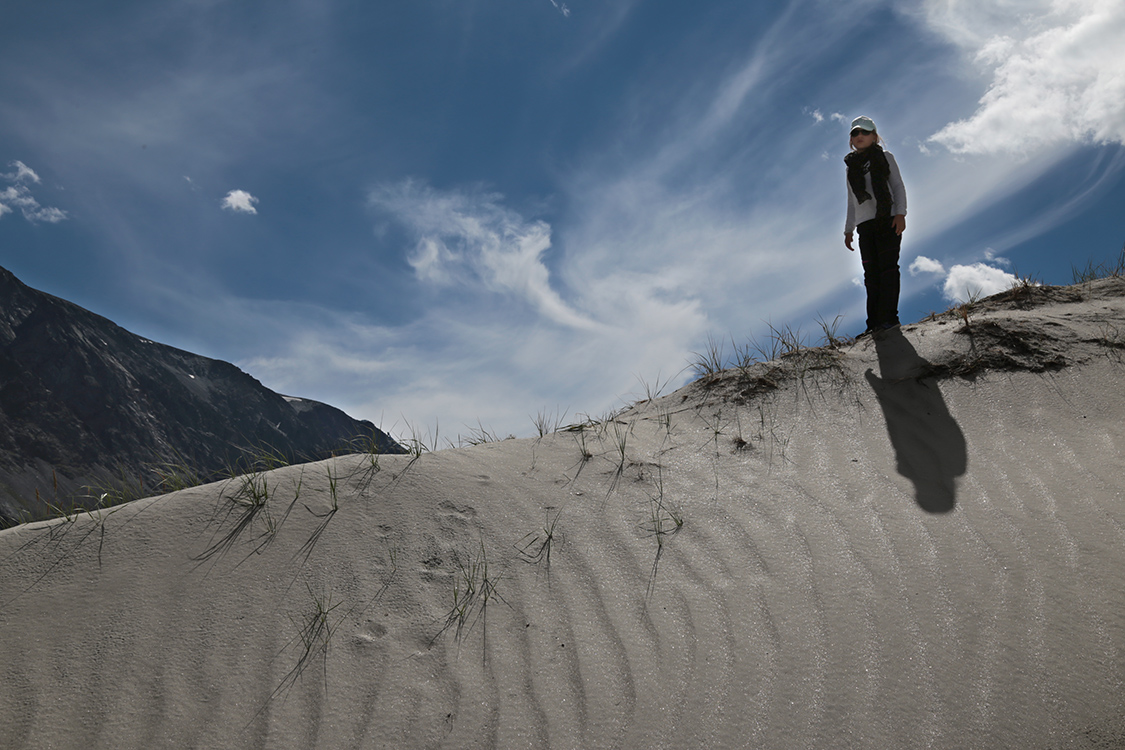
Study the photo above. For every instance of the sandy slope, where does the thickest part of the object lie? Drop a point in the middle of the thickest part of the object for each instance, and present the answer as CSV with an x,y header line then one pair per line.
x,y
918,542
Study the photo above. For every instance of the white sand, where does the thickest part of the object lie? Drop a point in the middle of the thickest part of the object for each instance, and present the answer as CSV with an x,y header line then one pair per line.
x,y
887,562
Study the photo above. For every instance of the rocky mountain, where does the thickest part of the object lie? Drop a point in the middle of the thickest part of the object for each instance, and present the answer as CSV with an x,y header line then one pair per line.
x,y
83,403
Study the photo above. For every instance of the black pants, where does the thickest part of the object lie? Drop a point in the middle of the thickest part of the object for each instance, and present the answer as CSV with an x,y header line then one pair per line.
x,y
879,248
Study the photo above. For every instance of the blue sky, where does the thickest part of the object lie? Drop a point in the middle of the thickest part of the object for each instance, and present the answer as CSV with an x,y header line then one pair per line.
x,y
444,215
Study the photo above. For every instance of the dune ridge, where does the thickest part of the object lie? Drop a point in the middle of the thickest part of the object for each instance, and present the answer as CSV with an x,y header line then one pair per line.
x,y
911,542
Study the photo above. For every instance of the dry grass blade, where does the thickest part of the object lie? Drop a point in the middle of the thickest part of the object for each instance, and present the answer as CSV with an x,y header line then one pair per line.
x,y
709,362
535,547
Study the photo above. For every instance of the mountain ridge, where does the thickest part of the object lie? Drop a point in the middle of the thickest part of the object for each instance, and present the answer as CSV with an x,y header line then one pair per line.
x,y
83,401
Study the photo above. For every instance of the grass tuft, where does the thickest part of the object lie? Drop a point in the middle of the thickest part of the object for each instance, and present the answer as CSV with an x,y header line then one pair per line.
x,y
664,520
709,362
1023,288
418,443
1094,271
965,310
535,548
475,588
248,503
831,338
654,390
622,431
547,423
480,435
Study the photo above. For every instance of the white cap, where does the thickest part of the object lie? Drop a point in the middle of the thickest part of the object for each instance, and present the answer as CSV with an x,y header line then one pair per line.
x,y
864,123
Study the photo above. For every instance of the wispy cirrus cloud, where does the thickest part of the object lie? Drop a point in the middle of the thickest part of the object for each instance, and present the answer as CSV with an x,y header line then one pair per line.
x,y
470,237
497,339
561,8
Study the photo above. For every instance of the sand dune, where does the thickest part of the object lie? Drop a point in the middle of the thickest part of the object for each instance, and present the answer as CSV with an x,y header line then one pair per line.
x,y
909,543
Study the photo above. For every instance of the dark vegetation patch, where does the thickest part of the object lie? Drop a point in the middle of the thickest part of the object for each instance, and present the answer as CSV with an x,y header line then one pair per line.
x,y
1004,347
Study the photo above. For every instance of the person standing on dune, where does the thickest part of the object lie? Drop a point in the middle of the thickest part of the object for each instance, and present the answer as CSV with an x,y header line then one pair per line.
x,y
877,208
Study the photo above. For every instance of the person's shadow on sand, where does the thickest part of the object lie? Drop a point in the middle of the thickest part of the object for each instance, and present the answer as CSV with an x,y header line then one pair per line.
x,y
929,445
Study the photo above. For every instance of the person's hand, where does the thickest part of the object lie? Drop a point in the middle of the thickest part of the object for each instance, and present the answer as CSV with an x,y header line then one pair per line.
x,y
899,223
848,241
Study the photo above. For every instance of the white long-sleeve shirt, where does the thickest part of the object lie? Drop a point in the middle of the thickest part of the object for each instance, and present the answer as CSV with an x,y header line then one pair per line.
x,y
861,212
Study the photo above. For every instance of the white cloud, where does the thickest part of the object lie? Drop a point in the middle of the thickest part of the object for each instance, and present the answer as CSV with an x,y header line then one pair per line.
x,y
240,201
641,278
922,264
459,362
1058,73
469,238
48,214
965,282
978,280
971,23
991,256
22,173
19,196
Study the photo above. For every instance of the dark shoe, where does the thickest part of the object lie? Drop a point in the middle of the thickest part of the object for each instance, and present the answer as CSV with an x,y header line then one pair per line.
x,y
884,330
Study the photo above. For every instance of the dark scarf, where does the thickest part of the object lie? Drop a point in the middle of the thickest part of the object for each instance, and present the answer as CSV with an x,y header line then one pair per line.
x,y
871,160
